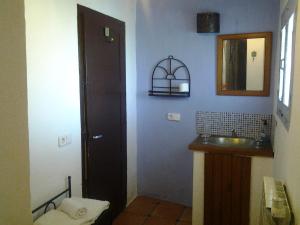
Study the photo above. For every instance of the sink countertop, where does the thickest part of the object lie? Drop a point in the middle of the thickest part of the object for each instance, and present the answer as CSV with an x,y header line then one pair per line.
x,y
198,145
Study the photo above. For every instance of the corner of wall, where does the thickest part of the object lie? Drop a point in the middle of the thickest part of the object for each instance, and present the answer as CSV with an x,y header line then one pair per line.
x,y
286,142
14,153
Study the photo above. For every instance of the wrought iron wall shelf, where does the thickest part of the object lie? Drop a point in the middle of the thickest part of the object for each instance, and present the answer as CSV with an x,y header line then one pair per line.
x,y
170,77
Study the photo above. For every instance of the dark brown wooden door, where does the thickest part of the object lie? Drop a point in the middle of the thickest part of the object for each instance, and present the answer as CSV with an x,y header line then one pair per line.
x,y
226,189
103,107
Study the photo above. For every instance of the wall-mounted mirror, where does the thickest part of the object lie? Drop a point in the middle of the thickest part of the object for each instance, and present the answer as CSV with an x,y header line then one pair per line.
x,y
244,62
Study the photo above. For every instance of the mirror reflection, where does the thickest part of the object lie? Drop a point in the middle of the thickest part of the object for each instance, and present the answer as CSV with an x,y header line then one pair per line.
x,y
243,64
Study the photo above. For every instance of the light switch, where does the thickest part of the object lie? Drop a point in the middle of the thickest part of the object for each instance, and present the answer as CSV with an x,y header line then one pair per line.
x,y
69,139
174,116
64,140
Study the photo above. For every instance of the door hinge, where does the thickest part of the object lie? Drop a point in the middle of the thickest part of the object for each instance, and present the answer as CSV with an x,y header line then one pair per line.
x,y
84,135
84,83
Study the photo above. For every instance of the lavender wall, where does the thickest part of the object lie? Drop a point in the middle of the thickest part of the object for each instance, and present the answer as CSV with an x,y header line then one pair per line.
x,y
169,27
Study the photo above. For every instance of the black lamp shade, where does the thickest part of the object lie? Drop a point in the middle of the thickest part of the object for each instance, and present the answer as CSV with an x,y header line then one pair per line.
x,y
208,22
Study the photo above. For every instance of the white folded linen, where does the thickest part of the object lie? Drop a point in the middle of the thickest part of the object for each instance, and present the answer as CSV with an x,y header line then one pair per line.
x,y
57,217
73,208
94,208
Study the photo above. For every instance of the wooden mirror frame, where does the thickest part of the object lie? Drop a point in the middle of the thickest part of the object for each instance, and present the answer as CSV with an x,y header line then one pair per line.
x,y
267,63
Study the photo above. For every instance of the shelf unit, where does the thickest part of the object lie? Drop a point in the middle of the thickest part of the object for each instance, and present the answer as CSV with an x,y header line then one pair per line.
x,y
167,75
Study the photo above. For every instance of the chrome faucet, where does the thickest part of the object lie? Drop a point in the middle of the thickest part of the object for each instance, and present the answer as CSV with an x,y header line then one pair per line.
x,y
233,133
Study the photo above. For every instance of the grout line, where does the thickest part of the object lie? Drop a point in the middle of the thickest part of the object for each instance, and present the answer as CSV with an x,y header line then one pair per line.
x,y
150,213
145,220
155,205
178,219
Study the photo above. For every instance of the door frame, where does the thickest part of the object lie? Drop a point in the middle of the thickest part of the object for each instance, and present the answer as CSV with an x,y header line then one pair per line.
x,y
82,78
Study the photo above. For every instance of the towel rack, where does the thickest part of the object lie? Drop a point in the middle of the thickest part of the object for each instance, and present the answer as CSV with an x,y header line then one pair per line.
x,y
167,75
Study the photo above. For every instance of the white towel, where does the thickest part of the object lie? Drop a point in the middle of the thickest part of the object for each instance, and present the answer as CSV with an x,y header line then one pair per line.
x,y
56,217
73,208
94,208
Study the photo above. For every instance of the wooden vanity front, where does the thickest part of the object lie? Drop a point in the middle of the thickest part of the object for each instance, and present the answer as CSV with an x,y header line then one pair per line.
x,y
226,189
227,182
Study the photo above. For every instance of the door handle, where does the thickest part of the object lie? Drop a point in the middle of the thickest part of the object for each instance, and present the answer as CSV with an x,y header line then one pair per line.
x,y
96,137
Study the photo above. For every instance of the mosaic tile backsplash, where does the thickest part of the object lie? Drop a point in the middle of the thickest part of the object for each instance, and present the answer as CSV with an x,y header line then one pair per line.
x,y
222,123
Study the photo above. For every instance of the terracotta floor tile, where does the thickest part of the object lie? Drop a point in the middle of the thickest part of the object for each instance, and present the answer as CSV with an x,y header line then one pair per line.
x,y
171,204
159,221
142,206
184,223
149,211
127,218
168,211
187,215
147,199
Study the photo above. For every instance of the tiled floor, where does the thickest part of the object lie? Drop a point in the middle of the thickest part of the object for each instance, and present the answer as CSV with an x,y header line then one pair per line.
x,y
149,211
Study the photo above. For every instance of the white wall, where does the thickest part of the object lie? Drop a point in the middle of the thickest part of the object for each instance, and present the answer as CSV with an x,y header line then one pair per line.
x,y
287,142
53,91
14,154
255,68
198,188
260,167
